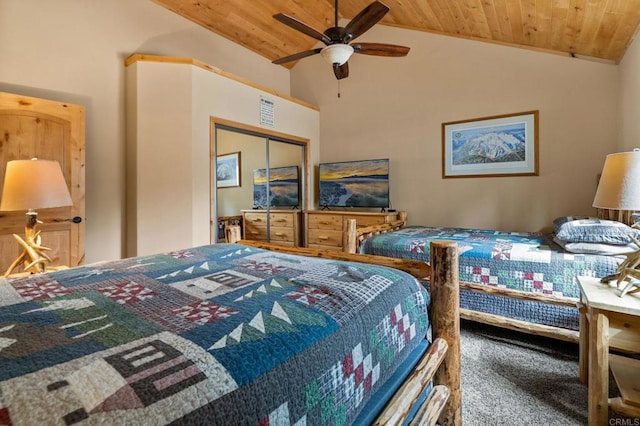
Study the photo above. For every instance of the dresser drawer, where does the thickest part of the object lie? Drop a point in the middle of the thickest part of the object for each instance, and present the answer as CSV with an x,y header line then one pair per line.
x,y
255,218
255,232
278,233
325,221
325,237
281,220
281,234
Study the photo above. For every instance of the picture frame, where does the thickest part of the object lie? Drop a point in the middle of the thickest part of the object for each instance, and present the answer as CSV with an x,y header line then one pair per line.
x,y
228,170
500,145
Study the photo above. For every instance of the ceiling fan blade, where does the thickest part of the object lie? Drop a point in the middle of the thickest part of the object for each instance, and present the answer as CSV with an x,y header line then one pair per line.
x,y
341,71
366,19
297,56
380,49
302,27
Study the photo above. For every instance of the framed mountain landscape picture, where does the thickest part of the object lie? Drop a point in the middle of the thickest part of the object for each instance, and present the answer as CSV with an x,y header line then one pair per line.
x,y
502,145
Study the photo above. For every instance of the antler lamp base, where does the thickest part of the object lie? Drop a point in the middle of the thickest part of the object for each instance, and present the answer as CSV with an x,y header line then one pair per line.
x,y
33,255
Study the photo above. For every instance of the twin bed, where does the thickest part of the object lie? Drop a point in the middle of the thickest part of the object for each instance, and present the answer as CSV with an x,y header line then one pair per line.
x,y
521,281
233,334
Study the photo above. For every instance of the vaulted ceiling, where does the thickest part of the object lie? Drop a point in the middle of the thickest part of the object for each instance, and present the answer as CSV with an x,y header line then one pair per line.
x,y
601,29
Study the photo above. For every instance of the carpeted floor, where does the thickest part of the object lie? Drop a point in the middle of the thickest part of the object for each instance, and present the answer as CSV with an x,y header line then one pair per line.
x,y
511,378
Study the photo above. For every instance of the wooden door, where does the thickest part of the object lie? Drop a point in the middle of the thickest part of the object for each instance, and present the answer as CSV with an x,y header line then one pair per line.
x,y
48,130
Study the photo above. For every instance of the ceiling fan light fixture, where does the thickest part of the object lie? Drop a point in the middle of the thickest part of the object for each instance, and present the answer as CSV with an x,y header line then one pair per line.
x,y
337,53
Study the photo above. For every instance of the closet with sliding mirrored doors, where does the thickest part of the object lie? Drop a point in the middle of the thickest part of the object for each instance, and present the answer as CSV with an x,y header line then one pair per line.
x,y
260,183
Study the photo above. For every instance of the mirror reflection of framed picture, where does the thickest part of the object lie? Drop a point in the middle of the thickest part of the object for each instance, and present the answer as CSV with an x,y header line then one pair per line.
x,y
228,170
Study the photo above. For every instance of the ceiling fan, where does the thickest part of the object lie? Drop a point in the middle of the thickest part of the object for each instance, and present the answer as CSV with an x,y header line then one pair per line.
x,y
338,50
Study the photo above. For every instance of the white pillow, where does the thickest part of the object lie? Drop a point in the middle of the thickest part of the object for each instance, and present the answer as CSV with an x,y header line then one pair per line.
x,y
596,248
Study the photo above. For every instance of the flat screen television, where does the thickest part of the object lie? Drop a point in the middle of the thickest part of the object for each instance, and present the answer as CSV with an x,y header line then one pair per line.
x,y
355,184
284,187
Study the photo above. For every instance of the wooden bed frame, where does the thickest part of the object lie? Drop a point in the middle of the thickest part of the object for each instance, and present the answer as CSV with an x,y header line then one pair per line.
x,y
356,236
441,362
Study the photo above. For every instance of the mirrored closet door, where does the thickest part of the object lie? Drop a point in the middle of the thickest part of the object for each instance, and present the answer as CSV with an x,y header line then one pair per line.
x,y
260,184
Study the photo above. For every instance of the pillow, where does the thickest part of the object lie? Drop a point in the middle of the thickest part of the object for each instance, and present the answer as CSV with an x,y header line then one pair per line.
x,y
596,248
558,222
593,230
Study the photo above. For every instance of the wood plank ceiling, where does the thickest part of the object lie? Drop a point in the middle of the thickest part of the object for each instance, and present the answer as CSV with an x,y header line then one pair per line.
x,y
600,29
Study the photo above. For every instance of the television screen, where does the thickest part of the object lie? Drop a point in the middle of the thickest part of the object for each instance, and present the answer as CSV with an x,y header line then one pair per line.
x,y
355,184
284,187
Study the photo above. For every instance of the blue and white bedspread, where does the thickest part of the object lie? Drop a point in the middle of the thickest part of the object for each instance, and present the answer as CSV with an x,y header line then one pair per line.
x,y
529,262
220,334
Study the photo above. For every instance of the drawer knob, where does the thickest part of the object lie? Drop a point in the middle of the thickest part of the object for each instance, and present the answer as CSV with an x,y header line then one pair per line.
x,y
323,238
279,234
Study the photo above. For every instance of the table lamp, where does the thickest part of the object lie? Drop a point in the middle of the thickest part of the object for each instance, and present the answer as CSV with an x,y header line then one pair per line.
x,y
619,189
30,185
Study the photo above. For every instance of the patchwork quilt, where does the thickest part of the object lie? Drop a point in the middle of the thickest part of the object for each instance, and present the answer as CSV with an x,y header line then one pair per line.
x,y
529,262
217,335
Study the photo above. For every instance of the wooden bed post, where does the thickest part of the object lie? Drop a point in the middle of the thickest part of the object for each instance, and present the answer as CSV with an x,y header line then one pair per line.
x,y
349,244
445,299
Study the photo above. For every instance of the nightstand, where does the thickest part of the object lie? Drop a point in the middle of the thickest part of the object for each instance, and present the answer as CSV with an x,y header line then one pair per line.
x,y
609,321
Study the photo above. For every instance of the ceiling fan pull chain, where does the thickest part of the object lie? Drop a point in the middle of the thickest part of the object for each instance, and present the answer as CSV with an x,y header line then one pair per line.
x,y
338,88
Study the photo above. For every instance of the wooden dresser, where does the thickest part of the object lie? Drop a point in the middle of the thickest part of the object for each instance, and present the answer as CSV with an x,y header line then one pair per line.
x,y
325,229
284,226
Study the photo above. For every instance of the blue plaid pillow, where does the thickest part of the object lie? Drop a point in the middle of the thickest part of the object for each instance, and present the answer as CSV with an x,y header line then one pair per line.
x,y
591,230
558,222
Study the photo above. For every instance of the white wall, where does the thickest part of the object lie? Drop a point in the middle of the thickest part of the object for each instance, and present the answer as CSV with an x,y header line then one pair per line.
x,y
74,51
171,111
630,98
394,107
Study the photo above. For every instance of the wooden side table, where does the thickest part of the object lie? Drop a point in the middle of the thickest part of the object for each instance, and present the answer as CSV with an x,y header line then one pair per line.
x,y
608,321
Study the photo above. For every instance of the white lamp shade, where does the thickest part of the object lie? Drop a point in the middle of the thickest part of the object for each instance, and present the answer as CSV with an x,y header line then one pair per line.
x,y
619,186
34,184
337,53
